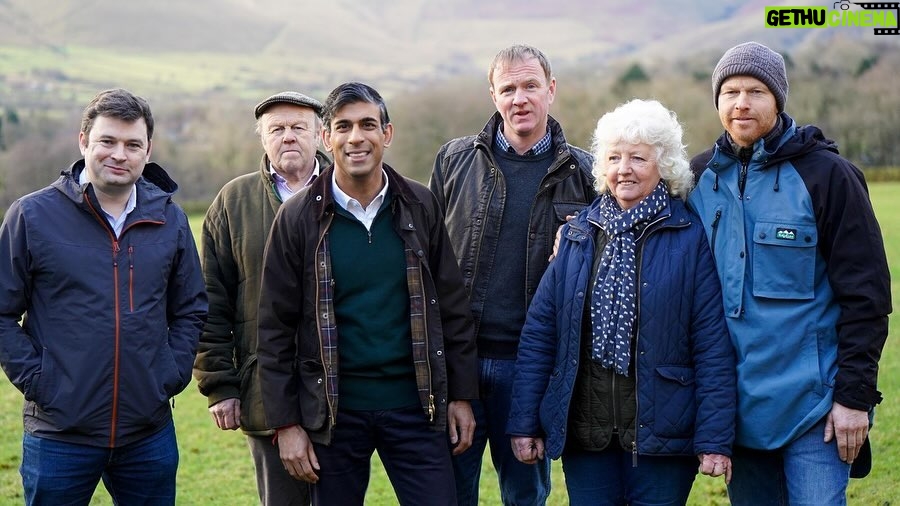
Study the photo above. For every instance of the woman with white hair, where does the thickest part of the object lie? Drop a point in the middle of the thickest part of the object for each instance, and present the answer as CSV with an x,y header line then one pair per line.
x,y
625,366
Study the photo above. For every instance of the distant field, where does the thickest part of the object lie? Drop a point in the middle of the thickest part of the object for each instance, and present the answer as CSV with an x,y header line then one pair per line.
x,y
215,466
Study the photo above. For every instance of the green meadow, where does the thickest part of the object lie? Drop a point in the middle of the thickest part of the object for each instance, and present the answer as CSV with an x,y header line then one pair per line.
x,y
215,466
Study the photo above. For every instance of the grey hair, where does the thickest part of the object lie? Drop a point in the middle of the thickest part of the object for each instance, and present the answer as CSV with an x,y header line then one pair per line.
x,y
644,122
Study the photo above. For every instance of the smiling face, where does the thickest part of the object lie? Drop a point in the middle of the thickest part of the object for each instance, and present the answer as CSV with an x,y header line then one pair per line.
x,y
631,172
289,135
747,109
523,95
357,139
115,152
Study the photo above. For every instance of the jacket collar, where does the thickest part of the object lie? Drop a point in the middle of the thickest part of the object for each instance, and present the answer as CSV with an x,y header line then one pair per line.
x,y
558,139
264,172
154,191
580,227
322,196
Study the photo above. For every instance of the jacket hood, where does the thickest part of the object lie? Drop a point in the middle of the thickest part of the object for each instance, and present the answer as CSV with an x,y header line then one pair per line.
x,y
155,188
153,174
794,142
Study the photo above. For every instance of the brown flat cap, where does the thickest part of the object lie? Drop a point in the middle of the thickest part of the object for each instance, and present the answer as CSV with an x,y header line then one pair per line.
x,y
289,97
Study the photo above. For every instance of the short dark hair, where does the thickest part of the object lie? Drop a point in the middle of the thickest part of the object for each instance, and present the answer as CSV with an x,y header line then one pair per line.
x,y
351,93
120,104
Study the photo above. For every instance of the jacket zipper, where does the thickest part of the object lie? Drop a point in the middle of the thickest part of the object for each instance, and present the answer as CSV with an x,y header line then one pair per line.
x,y
116,248
742,179
115,399
715,231
115,268
131,278
649,230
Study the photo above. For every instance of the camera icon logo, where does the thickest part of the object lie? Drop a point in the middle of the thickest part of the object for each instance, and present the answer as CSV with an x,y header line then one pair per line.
x,y
844,5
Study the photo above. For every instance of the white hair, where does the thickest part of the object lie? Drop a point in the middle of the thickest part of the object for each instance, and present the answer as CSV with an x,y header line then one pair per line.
x,y
644,122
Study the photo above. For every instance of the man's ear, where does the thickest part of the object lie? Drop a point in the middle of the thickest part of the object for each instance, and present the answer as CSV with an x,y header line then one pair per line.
x,y
388,134
326,139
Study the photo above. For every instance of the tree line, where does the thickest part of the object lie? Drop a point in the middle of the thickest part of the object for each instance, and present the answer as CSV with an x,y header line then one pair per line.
x,y
851,94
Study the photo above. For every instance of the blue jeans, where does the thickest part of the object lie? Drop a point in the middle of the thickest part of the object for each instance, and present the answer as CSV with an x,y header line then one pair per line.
x,y
609,478
415,457
59,473
805,472
520,484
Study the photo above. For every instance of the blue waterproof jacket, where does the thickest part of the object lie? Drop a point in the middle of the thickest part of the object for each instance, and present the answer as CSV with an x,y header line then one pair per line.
x,y
111,323
684,358
804,278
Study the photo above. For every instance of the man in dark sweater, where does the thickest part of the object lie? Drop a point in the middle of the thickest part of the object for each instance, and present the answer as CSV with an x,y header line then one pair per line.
x,y
362,258
505,192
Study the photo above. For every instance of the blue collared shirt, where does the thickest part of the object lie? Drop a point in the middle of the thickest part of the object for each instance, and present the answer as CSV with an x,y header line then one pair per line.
x,y
540,147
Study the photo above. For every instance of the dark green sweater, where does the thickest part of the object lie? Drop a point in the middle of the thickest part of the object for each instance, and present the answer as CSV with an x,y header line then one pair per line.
x,y
371,301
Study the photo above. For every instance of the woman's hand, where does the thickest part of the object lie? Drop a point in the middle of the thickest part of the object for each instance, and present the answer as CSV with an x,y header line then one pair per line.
x,y
715,465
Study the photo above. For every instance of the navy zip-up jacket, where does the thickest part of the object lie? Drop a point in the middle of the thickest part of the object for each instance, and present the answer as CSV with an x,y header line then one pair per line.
x,y
684,360
110,323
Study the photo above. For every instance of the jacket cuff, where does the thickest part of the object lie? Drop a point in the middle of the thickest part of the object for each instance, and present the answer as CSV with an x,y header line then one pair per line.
x,y
857,396
223,393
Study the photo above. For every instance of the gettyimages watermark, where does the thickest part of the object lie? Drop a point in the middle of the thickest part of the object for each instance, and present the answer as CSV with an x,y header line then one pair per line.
x,y
882,16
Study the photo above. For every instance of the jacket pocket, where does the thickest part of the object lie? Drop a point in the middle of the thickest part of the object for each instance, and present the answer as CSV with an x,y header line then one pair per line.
x,y
312,395
253,417
784,260
674,402
563,209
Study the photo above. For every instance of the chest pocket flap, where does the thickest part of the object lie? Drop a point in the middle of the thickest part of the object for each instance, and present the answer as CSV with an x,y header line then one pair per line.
x,y
784,260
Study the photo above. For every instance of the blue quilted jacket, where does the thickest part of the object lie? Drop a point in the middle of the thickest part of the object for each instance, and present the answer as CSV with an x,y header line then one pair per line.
x,y
685,360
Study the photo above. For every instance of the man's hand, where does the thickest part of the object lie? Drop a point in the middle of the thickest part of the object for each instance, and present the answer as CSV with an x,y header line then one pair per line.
x,y
715,465
558,236
850,427
461,425
227,413
527,449
297,454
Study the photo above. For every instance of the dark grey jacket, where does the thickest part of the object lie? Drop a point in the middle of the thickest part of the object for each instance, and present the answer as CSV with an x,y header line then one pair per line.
x,y
234,236
471,190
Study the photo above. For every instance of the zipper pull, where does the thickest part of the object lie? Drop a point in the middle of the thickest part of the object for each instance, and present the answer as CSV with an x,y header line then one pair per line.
x,y
431,408
634,453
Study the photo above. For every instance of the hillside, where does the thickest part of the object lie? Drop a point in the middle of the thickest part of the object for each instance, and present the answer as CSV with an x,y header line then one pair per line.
x,y
57,52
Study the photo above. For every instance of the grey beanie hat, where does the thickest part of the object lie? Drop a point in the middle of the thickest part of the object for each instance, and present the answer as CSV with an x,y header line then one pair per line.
x,y
289,97
755,60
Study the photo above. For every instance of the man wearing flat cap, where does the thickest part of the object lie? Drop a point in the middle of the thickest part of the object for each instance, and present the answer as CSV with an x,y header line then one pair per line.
x,y
234,237
805,283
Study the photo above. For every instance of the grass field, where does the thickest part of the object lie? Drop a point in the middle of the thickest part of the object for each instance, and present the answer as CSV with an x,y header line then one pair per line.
x,y
215,466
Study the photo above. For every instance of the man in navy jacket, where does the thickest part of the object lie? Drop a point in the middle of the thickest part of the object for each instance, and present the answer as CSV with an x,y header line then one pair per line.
x,y
102,265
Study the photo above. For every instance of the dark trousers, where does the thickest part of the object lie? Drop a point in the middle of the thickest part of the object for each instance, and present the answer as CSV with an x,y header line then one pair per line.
x,y
415,457
275,486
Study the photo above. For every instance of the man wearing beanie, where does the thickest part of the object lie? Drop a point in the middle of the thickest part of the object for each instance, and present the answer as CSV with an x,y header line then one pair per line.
x,y
805,283
234,236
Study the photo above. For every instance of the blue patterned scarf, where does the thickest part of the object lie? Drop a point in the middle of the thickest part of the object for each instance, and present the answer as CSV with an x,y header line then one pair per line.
x,y
615,290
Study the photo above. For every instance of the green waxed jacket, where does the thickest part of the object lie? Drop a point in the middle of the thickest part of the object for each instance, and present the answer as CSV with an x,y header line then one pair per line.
x,y
233,239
